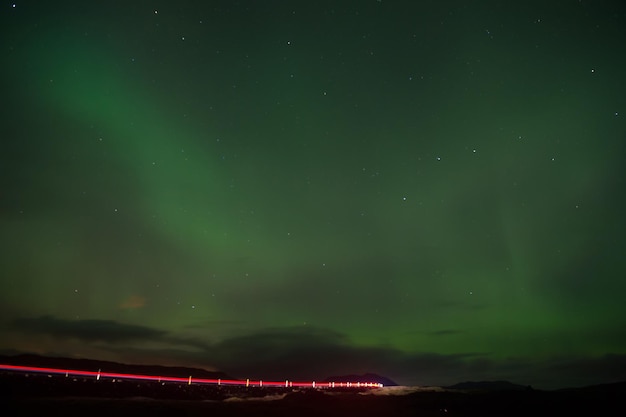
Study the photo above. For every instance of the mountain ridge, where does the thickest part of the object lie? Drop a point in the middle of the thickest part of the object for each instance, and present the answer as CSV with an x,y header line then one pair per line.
x,y
29,359
488,386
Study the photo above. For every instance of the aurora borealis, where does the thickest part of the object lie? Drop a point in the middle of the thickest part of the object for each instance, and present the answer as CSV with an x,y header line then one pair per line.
x,y
429,190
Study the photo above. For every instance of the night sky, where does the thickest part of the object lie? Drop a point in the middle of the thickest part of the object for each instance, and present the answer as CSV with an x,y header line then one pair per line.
x,y
429,190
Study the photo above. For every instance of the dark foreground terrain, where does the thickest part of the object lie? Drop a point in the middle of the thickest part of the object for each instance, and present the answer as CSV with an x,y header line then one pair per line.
x,y
43,395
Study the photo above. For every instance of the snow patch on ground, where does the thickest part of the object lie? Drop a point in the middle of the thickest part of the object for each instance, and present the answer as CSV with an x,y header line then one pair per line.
x,y
265,398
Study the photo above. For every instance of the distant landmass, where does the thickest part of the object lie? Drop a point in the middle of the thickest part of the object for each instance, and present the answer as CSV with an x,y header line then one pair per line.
x,y
154,370
362,378
41,394
489,386
107,366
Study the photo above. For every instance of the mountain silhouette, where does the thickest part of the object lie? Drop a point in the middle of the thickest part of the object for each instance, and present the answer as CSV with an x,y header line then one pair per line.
x,y
108,366
488,386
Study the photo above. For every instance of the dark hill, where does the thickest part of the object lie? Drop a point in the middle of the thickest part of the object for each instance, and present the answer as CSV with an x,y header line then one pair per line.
x,y
489,386
107,366
615,388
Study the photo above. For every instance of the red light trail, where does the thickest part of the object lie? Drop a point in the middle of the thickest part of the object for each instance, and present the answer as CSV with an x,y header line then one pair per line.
x,y
191,380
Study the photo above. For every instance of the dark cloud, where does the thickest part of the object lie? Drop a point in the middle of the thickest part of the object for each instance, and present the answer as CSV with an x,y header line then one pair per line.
x,y
215,323
87,330
103,331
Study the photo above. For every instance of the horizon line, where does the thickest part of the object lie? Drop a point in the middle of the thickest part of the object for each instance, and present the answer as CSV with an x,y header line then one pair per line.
x,y
189,380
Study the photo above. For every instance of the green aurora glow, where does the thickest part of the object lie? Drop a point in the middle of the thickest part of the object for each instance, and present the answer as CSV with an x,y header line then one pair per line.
x,y
434,189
